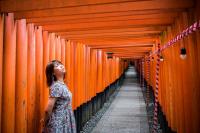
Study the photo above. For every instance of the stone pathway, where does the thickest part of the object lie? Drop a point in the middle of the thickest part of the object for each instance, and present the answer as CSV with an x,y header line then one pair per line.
x,y
127,112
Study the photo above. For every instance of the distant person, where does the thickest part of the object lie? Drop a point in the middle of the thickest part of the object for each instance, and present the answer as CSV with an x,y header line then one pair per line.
x,y
59,116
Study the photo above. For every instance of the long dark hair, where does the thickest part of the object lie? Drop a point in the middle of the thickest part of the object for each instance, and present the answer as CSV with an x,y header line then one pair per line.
x,y
49,72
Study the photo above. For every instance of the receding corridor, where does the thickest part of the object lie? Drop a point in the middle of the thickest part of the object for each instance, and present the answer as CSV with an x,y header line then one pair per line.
x,y
110,66
127,113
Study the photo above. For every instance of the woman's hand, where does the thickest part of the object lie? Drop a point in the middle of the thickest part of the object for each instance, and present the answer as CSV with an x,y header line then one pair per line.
x,y
47,113
42,122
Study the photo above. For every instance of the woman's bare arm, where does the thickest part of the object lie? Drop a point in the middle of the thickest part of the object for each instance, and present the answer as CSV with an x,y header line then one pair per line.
x,y
49,108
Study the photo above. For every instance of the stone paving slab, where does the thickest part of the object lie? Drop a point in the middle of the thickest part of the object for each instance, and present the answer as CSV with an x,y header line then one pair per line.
x,y
127,113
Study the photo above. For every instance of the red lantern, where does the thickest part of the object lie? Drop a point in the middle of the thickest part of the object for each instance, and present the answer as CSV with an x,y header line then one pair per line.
x,y
109,55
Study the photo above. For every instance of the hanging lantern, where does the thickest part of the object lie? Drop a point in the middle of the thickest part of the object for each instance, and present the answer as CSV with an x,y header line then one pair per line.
x,y
109,55
161,58
183,54
152,58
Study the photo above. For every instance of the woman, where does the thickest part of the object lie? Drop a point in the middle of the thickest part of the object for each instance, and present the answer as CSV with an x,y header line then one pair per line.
x,y
59,117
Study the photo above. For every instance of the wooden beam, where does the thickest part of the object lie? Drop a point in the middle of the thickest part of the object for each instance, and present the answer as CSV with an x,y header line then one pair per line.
x,y
129,53
113,30
43,21
118,41
102,34
92,9
114,38
109,15
137,49
95,25
128,49
133,56
24,5
124,47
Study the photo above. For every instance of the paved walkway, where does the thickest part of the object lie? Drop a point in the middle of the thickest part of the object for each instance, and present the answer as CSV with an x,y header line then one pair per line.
x,y
127,113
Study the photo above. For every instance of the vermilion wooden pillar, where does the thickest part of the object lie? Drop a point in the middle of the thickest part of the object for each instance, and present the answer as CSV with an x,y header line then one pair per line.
x,y
78,66
21,78
39,73
52,47
192,110
9,65
31,94
58,48
76,75
114,72
117,67
113,68
83,65
87,71
99,75
171,88
72,72
179,83
84,73
46,49
197,93
107,71
185,67
63,51
93,72
67,63
1,60
103,70
90,91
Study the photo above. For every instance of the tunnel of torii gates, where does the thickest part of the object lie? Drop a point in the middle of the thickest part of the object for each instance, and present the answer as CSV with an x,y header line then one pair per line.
x,y
96,40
